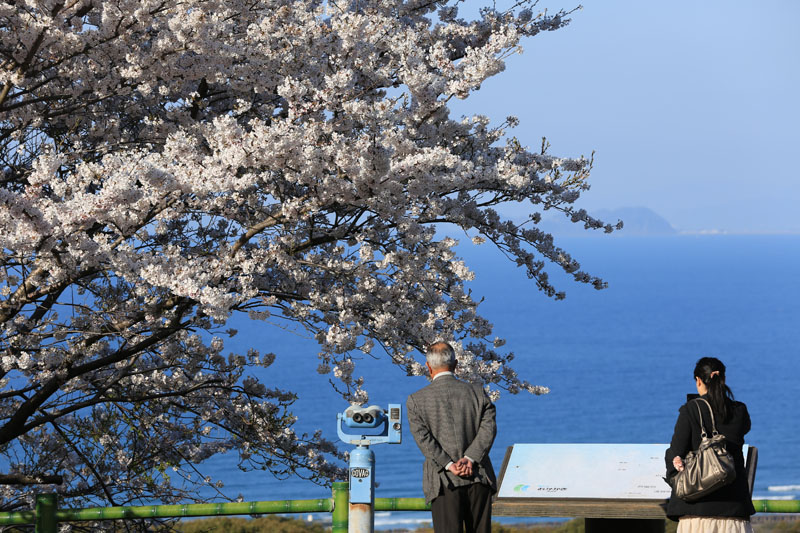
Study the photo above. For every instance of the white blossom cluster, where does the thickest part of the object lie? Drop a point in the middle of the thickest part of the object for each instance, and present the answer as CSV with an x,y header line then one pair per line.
x,y
165,165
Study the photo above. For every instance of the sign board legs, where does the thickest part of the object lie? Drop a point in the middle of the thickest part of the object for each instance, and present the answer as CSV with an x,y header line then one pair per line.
x,y
624,525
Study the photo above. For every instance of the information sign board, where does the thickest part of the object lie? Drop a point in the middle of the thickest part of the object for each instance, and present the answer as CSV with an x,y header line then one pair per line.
x,y
607,471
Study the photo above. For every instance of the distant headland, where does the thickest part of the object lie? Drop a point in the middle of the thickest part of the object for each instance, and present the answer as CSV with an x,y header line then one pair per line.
x,y
637,221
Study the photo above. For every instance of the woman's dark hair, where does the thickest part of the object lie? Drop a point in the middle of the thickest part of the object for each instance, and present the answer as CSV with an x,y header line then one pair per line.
x,y
711,372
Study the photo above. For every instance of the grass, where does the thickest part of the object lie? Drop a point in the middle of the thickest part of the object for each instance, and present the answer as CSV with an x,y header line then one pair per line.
x,y
277,524
271,524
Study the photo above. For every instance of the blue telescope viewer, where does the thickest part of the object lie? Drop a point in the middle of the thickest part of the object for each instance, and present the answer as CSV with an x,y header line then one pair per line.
x,y
362,427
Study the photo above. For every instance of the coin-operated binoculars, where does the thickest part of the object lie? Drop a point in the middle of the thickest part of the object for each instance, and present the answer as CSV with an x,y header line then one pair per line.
x,y
364,426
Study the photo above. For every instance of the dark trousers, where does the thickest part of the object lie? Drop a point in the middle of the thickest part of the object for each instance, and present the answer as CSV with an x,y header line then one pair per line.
x,y
469,507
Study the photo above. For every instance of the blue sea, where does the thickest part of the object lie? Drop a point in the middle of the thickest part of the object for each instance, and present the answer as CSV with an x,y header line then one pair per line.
x,y
618,361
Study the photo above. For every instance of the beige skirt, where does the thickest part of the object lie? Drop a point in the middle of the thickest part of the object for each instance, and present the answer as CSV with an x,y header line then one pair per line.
x,y
698,524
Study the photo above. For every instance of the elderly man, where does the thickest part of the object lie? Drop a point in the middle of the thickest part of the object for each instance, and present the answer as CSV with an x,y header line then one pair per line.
x,y
453,424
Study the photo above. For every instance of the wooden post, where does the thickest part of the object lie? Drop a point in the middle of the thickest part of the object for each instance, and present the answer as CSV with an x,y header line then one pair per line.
x,y
46,505
341,504
624,525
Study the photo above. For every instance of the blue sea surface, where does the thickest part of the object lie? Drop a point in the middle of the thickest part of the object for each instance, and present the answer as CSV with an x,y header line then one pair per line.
x,y
618,362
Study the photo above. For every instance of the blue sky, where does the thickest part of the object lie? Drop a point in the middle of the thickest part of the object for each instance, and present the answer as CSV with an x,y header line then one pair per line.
x,y
691,107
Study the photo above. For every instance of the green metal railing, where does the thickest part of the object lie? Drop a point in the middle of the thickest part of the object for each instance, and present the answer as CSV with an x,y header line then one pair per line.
x,y
401,504
200,509
46,516
777,506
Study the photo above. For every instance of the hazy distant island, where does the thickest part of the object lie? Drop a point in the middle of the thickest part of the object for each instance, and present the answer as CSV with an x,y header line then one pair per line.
x,y
637,221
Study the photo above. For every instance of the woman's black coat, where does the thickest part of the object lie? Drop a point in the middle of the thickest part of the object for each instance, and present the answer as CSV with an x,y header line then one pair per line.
x,y
733,500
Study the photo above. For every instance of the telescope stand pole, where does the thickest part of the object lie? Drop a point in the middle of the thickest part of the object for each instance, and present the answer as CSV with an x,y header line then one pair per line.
x,y
361,518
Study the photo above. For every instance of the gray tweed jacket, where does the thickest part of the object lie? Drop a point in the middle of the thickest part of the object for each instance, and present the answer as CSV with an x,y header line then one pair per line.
x,y
451,419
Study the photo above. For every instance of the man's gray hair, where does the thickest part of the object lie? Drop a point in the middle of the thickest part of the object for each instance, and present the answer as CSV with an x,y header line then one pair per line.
x,y
440,355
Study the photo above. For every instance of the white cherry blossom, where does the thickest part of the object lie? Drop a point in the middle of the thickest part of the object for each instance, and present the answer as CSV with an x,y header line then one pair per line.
x,y
168,165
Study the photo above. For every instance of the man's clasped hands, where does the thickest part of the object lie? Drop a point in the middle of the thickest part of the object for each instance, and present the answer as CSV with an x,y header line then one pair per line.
x,y
462,467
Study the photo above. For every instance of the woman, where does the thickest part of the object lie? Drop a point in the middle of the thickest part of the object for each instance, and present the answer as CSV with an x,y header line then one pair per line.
x,y
728,509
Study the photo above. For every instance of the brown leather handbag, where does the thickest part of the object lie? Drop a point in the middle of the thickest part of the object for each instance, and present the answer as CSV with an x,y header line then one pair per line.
x,y
707,468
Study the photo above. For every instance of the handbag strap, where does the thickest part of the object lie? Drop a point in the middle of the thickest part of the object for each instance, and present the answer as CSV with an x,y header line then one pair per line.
x,y
711,411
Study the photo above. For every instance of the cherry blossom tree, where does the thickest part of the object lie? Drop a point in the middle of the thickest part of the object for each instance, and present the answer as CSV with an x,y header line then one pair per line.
x,y
168,164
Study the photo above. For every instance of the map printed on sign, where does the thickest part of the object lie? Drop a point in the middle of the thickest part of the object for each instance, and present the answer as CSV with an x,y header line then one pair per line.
x,y
608,471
